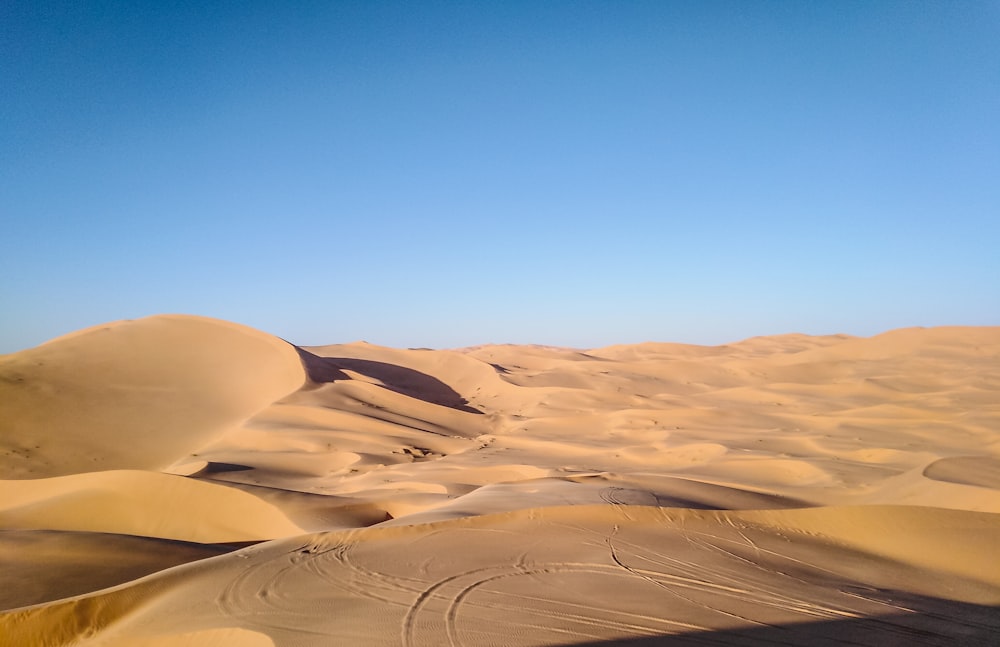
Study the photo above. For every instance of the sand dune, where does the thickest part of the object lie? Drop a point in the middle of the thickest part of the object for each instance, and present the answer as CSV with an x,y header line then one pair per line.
x,y
145,504
44,565
135,394
787,489
574,574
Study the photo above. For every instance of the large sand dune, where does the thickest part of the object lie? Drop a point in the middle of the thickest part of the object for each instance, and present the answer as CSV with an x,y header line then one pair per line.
x,y
184,481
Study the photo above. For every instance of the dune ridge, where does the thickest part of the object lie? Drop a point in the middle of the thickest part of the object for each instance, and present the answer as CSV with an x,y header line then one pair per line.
x,y
810,489
135,394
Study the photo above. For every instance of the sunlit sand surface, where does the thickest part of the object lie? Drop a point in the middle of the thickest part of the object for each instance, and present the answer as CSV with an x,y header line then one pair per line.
x,y
184,481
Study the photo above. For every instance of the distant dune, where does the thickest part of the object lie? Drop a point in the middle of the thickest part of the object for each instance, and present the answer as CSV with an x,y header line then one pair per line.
x,y
178,480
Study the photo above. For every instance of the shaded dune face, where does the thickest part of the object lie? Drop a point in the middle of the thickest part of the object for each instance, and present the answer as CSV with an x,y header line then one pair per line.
x,y
787,489
44,565
399,379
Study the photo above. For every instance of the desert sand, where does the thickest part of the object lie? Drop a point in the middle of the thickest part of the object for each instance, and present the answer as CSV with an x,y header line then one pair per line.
x,y
178,480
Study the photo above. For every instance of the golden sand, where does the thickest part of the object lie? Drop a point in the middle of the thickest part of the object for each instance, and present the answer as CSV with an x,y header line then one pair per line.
x,y
184,481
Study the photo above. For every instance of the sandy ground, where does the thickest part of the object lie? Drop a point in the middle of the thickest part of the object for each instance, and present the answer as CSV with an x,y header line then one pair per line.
x,y
184,481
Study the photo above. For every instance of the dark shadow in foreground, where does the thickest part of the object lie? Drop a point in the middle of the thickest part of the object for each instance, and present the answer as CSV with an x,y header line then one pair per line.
x,y
400,379
933,622
38,566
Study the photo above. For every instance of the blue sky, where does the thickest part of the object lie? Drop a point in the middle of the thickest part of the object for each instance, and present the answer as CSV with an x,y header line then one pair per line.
x,y
451,173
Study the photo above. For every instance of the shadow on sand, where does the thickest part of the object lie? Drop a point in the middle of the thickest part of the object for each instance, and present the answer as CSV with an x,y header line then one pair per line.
x,y
933,622
399,379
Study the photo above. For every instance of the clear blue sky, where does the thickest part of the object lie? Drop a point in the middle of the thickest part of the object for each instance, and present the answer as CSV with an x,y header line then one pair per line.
x,y
452,173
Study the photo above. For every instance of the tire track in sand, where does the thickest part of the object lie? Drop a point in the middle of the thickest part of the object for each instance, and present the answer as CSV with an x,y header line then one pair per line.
x,y
453,594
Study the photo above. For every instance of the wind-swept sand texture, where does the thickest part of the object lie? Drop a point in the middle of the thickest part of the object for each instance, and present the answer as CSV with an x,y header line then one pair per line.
x,y
184,481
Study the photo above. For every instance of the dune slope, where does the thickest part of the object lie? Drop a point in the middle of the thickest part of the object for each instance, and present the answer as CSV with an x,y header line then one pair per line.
x,y
572,574
134,394
780,490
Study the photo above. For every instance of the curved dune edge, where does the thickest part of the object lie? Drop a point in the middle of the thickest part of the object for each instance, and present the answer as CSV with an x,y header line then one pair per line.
x,y
922,537
148,504
603,572
979,471
135,394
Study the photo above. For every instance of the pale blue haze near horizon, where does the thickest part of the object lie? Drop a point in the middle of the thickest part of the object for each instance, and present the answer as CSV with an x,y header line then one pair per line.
x,y
445,174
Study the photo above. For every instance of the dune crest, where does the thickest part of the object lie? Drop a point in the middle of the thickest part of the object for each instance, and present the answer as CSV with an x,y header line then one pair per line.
x,y
143,504
135,394
788,489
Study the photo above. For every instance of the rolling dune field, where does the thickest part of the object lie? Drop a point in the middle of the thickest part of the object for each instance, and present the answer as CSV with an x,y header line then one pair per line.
x,y
178,480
